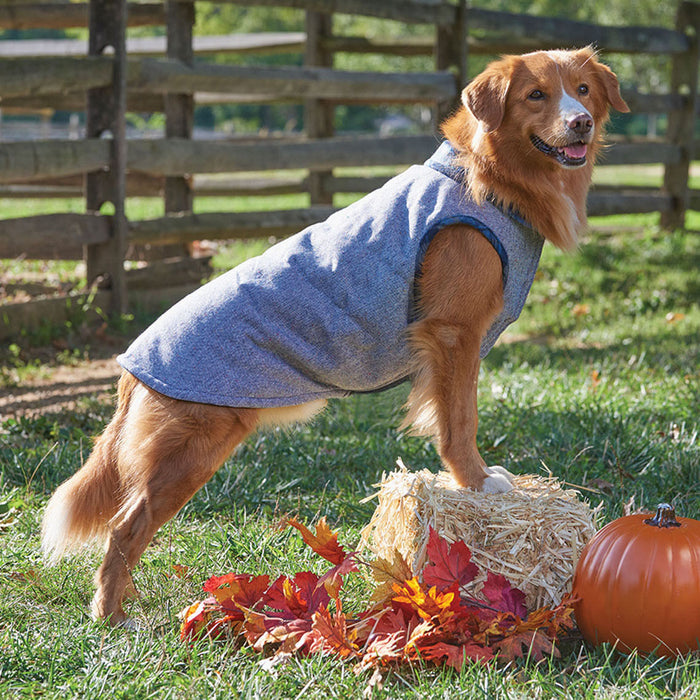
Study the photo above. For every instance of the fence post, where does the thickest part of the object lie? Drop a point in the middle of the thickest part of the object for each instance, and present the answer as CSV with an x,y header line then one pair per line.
x,y
105,118
681,123
179,111
318,114
451,53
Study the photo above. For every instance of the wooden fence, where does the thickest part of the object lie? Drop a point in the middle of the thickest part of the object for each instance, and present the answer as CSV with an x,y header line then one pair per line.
x,y
110,74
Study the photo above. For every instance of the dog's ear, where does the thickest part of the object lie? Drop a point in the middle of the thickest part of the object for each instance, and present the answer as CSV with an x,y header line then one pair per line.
x,y
612,88
610,82
485,96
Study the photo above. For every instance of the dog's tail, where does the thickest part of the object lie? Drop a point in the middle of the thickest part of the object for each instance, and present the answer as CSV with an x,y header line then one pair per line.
x,y
82,506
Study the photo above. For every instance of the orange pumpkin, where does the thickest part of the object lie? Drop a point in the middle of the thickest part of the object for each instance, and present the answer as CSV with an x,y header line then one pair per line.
x,y
638,584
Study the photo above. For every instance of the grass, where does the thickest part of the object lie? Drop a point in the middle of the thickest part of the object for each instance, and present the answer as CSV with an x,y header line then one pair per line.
x,y
600,384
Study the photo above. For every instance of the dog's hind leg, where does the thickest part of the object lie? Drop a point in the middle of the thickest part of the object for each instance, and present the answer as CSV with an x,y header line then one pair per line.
x,y
83,505
168,449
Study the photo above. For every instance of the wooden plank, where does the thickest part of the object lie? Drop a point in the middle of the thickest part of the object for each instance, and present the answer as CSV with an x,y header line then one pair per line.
x,y
106,117
40,159
646,103
161,273
568,33
404,46
409,11
224,225
451,47
358,184
17,318
65,15
40,76
694,200
640,153
641,103
262,43
529,28
179,113
205,186
682,123
319,115
40,191
52,236
180,156
160,76
610,201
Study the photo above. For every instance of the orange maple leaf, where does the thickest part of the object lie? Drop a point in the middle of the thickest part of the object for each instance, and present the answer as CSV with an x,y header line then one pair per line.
x,y
332,635
324,542
427,602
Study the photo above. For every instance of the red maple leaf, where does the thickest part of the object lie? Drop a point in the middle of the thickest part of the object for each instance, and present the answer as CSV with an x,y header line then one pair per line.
x,y
332,580
324,542
503,596
451,563
298,597
236,591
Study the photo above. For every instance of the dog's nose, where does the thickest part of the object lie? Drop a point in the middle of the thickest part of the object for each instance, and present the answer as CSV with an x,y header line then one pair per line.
x,y
580,123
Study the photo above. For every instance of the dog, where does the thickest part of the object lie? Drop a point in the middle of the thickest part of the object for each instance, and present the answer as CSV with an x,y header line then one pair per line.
x,y
416,280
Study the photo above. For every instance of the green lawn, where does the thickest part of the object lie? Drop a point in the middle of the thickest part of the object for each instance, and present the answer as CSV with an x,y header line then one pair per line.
x,y
600,383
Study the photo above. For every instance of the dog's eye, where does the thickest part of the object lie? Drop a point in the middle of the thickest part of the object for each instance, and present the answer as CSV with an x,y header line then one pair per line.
x,y
536,95
583,89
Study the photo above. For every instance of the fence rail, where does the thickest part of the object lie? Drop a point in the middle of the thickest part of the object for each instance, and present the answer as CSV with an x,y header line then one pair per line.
x,y
165,74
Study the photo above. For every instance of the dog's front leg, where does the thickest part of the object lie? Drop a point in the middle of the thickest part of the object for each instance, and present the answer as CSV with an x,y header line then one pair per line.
x,y
461,293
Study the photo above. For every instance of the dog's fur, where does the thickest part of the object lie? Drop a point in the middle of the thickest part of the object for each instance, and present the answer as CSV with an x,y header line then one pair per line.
x,y
519,134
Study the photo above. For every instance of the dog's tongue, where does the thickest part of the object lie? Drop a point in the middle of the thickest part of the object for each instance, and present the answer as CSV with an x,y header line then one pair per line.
x,y
576,150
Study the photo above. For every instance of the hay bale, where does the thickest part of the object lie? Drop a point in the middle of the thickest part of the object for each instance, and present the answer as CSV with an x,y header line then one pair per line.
x,y
532,535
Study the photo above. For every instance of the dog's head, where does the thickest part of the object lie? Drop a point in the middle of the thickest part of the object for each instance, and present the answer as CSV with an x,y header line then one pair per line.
x,y
533,124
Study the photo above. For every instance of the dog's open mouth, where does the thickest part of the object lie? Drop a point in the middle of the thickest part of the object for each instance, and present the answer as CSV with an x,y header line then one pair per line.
x,y
572,155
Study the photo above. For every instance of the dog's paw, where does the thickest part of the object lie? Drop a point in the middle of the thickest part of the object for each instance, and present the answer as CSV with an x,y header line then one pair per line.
x,y
499,480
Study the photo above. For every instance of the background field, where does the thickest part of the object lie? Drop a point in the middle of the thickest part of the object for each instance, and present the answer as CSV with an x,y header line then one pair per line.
x,y
599,382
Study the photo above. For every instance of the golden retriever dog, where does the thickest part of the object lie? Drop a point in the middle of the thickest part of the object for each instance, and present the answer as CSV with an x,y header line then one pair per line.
x,y
414,281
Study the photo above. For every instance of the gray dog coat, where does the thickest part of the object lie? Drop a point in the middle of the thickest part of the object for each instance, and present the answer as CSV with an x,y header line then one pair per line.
x,y
325,312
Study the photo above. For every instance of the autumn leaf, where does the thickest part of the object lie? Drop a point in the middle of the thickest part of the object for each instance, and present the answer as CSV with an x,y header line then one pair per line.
x,y
324,542
426,602
332,635
501,595
298,597
390,630
194,619
236,591
387,573
180,571
451,563
455,655
332,581
524,642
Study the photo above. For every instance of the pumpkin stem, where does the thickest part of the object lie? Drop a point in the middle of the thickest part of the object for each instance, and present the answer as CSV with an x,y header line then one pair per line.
x,y
665,517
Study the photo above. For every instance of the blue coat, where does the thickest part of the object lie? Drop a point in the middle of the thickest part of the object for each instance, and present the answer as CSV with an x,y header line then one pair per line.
x,y
324,313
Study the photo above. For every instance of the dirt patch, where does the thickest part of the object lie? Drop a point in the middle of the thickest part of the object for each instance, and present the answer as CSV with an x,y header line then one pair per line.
x,y
60,388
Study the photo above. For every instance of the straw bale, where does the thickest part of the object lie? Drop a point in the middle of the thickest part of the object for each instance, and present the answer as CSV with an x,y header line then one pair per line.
x,y
532,535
